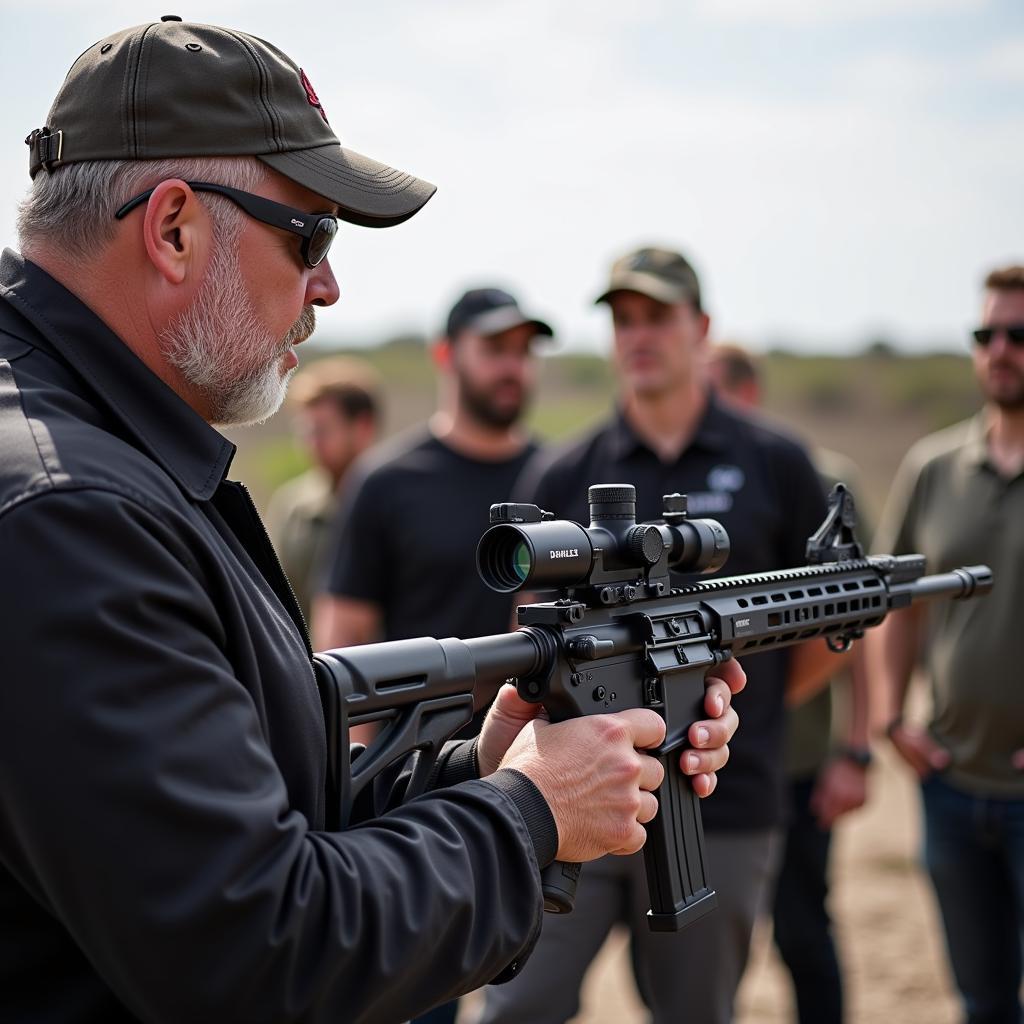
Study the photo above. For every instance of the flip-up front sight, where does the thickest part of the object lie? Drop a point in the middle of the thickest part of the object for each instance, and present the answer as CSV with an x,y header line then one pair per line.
x,y
528,548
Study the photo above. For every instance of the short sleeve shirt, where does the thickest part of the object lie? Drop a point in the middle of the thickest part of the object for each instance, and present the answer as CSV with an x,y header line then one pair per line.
x,y
407,535
761,486
298,519
949,503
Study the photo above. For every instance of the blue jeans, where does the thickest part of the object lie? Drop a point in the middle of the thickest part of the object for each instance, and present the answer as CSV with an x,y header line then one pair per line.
x,y
801,922
974,852
440,1014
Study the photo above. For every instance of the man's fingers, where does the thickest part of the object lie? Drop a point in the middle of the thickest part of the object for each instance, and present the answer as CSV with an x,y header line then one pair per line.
x,y
731,673
704,784
717,697
648,808
651,773
697,762
714,733
634,842
647,727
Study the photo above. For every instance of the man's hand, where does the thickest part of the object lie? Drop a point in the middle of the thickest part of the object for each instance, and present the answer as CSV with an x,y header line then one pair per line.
x,y
710,737
841,787
594,778
918,749
596,782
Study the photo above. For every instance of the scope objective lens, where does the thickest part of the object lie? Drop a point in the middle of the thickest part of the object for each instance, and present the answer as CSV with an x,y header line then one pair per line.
x,y
522,563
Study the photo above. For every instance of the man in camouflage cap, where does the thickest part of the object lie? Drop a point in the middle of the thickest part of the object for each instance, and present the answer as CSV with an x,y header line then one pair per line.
x,y
669,433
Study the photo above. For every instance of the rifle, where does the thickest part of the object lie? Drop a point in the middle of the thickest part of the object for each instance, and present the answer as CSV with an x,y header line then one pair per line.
x,y
618,636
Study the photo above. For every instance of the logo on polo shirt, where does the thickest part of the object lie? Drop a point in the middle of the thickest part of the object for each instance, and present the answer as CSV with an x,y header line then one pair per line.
x,y
726,478
724,481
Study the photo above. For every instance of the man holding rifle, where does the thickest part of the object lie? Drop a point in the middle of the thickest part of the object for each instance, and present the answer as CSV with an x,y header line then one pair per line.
x,y
163,854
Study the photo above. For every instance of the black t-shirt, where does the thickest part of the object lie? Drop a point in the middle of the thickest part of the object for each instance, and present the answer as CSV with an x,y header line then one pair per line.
x,y
407,537
761,486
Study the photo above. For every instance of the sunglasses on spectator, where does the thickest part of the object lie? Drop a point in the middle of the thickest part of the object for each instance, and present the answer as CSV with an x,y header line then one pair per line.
x,y
1014,334
317,230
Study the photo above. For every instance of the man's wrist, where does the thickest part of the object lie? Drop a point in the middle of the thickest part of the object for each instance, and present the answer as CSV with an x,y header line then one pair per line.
x,y
894,723
860,756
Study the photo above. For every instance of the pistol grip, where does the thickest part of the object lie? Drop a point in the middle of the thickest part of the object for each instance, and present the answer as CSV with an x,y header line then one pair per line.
x,y
558,884
674,852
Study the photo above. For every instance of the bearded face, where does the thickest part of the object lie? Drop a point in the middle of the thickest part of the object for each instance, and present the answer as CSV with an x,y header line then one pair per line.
x,y
225,353
999,365
495,374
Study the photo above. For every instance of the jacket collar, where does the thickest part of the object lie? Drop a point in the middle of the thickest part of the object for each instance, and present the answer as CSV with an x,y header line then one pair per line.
x,y
162,423
712,432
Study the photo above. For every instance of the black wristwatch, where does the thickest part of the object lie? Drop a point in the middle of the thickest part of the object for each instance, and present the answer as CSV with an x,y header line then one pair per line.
x,y
860,756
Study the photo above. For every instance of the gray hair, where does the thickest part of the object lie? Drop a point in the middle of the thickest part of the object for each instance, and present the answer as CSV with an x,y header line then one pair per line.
x,y
74,206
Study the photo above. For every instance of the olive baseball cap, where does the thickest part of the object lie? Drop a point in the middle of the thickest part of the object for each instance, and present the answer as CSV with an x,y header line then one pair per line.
x,y
489,311
659,274
178,89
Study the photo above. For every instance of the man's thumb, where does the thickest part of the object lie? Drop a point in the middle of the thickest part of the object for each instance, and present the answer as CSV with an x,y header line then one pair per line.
x,y
511,707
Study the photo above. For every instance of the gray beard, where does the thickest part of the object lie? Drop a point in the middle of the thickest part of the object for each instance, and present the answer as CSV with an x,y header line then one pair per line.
x,y
219,346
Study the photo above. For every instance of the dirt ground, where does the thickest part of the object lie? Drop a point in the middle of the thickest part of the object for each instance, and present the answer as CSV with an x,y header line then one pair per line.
x,y
890,938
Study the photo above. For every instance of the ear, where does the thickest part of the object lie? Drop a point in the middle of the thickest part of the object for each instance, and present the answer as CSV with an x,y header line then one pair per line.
x,y
365,430
705,326
176,230
441,352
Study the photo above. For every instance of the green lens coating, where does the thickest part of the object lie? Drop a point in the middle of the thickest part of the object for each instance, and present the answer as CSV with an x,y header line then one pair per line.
x,y
522,563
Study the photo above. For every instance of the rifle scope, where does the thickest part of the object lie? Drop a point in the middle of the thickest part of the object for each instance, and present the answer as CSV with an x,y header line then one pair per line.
x,y
528,548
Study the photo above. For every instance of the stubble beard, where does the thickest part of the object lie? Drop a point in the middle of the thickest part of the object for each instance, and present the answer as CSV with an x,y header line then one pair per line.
x,y
224,352
486,411
1009,398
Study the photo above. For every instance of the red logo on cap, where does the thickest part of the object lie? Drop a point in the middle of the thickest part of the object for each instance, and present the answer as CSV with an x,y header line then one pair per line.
x,y
314,100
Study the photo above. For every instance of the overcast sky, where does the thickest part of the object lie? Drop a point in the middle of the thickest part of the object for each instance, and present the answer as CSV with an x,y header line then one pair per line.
x,y
836,169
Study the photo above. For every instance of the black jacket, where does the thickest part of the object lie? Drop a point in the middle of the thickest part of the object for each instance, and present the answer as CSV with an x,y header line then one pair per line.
x,y
162,852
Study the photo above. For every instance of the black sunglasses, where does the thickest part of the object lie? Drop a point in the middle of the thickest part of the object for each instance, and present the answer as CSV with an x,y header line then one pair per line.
x,y
317,230
1014,333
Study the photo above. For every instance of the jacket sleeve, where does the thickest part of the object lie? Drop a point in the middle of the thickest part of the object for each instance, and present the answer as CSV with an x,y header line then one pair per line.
x,y
140,805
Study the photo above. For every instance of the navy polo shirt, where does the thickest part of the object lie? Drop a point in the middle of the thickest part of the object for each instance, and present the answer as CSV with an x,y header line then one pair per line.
x,y
762,487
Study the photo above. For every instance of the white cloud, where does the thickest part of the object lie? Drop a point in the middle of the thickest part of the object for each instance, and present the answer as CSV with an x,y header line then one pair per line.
x,y
813,12
1004,61
891,77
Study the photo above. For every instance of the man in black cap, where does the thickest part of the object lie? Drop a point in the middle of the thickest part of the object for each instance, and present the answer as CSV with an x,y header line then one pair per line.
x,y
417,506
163,849
670,434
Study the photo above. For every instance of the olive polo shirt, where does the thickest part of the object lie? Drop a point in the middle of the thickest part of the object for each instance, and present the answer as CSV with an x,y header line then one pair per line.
x,y
762,487
949,503
299,517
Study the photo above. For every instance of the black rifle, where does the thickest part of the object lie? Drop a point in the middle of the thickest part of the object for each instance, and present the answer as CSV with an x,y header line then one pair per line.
x,y
618,636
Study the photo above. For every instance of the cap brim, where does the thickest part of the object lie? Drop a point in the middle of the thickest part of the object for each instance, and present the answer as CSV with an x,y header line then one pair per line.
x,y
646,284
368,192
505,318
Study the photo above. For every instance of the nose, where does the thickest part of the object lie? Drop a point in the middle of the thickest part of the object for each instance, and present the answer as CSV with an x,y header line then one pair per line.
x,y
630,334
321,286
